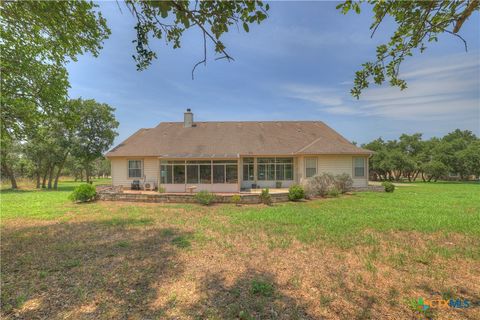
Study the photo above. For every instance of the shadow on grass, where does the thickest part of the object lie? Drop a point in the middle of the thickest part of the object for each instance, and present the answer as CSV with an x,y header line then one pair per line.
x,y
254,295
88,269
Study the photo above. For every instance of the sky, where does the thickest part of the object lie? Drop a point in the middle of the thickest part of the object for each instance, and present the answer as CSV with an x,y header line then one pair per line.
x,y
299,64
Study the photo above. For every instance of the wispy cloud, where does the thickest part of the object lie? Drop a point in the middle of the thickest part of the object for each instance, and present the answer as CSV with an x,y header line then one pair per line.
x,y
445,88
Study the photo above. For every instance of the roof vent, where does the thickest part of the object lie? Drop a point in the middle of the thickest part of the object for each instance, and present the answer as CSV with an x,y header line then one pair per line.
x,y
188,119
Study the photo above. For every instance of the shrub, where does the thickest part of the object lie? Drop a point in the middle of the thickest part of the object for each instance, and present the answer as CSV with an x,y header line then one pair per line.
x,y
321,184
161,189
265,197
83,193
296,192
343,182
236,199
205,197
389,187
334,192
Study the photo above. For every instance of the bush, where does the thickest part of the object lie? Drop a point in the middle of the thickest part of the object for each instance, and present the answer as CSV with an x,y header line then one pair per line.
x,y
161,189
343,182
265,197
321,184
296,192
205,197
83,193
236,199
334,192
389,187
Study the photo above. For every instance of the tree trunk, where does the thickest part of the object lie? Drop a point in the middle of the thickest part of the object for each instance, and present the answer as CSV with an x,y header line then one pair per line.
x,y
9,173
50,177
44,179
87,173
38,179
59,171
81,175
423,177
415,175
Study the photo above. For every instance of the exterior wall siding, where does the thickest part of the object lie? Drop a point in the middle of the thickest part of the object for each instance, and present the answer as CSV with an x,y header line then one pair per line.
x,y
151,170
336,164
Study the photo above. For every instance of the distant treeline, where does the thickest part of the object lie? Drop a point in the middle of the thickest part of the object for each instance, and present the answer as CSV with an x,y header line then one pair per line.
x,y
69,141
411,157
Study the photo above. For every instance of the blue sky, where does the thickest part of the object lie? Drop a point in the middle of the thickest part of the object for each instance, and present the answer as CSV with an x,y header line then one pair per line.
x,y
297,65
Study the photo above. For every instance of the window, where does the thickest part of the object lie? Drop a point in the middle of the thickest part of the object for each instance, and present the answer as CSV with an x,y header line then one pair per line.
x,y
359,167
310,167
248,173
134,168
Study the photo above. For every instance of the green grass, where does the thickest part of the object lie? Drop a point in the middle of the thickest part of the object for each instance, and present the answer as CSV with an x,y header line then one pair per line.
x,y
351,252
426,208
40,204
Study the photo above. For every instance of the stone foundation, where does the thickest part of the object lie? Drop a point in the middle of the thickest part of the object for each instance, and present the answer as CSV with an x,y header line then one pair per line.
x,y
113,194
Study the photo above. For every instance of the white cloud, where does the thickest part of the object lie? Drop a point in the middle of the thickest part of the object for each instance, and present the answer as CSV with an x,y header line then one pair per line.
x,y
445,88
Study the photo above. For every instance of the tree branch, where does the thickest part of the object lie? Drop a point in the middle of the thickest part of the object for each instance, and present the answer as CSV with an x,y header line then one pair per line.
x,y
470,8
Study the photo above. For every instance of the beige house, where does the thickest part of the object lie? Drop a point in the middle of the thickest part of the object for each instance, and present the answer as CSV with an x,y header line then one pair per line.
x,y
231,156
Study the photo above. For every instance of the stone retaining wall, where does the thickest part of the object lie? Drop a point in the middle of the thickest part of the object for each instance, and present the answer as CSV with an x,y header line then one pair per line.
x,y
369,188
184,198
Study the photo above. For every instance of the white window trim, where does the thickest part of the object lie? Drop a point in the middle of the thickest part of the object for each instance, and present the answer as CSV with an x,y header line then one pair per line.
x,y
316,165
364,167
141,169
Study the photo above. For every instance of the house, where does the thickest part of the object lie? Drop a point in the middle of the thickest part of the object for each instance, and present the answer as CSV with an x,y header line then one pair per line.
x,y
230,156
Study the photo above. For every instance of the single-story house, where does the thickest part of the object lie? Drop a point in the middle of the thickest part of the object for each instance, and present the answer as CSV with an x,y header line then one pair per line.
x,y
231,156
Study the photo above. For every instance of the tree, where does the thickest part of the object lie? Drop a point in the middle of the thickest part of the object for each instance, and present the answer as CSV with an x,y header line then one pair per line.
x,y
38,39
169,19
95,131
418,23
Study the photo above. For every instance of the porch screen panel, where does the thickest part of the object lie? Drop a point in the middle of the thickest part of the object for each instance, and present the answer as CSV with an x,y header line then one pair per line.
x,y
206,173
179,173
166,173
266,168
192,173
248,173
231,173
218,173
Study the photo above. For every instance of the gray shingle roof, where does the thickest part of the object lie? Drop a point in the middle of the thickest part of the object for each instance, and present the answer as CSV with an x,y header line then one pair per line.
x,y
234,139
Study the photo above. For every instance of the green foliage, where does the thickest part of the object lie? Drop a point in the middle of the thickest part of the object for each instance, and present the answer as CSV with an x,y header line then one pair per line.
x,y
411,157
236,199
389,187
262,288
204,197
161,189
334,192
418,23
168,20
83,193
296,192
38,39
265,197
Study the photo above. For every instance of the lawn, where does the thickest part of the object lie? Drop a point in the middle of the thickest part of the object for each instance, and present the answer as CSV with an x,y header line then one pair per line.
x,y
360,256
